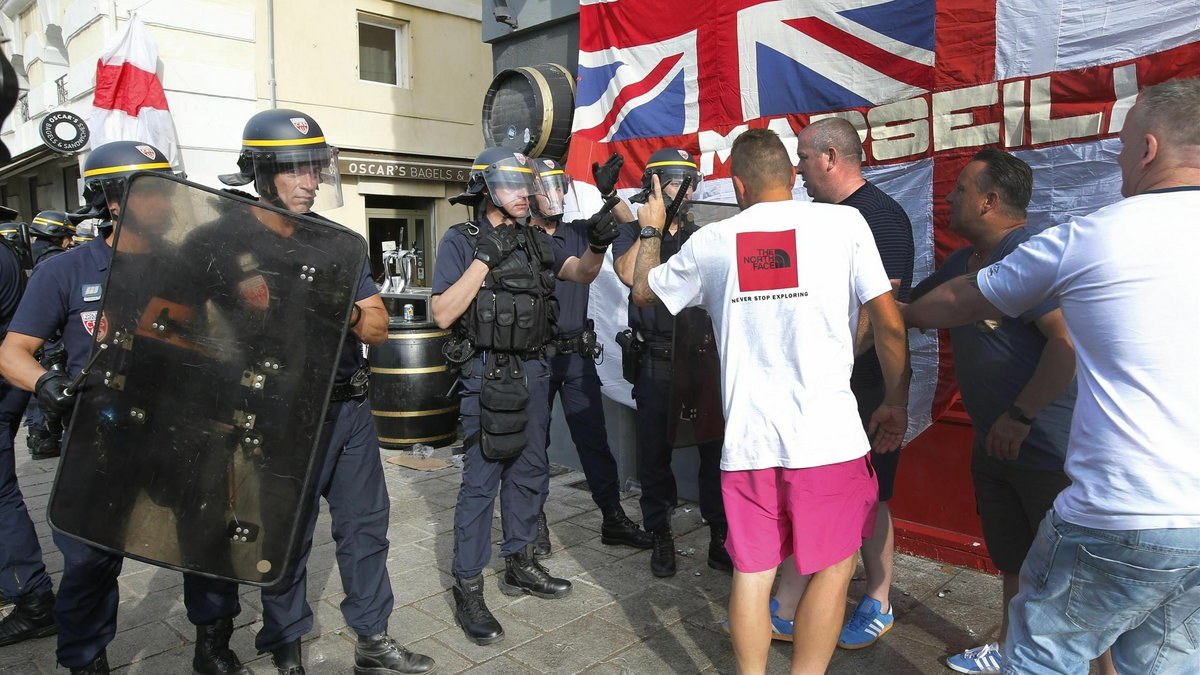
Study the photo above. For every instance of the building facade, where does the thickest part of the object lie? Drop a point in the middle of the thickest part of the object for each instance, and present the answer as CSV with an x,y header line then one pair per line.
x,y
397,86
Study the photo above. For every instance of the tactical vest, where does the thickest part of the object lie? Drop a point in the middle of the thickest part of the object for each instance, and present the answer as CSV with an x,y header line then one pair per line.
x,y
515,310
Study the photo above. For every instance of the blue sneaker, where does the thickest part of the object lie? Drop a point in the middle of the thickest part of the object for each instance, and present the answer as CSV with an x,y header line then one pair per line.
x,y
780,628
985,659
866,626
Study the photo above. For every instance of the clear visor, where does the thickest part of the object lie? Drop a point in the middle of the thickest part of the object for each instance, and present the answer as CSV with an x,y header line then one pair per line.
x,y
554,184
146,207
85,231
511,182
299,180
671,177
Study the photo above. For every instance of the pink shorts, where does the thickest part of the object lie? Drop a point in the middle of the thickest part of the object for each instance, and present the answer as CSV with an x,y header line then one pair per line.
x,y
819,514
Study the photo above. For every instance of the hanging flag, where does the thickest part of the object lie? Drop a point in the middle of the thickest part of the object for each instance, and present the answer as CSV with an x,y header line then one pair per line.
x,y
129,103
926,82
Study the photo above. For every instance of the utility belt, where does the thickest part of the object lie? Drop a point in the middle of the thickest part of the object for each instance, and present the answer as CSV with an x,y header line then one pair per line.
x,y
635,348
585,343
355,387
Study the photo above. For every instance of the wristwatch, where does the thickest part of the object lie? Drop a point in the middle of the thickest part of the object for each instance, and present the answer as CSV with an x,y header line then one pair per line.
x,y
1017,414
649,232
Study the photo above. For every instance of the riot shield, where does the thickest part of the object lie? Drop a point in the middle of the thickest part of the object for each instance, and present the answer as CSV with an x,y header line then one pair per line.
x,y
196,440
694,406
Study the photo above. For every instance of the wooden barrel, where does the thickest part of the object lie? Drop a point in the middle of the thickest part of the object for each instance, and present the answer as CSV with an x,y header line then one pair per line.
x,y
411,385
529,110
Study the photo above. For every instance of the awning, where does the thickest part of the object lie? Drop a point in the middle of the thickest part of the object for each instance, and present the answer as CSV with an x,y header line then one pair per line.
x,y
27,160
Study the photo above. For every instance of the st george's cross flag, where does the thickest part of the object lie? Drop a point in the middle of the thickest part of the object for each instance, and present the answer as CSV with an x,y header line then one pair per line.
x,y
926,82
129,102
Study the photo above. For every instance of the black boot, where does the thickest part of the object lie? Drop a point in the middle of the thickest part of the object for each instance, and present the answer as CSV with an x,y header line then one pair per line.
x,y
33,618
617,529
42,444
287,659
524,574
98,666
718,557
471,612
380,655
213,655
541,544
662,558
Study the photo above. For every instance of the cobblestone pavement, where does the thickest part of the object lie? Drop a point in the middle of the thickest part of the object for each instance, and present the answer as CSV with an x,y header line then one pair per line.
x,y
620,619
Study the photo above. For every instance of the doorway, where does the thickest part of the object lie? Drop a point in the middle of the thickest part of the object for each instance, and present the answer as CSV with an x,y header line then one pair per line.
x,y
407,228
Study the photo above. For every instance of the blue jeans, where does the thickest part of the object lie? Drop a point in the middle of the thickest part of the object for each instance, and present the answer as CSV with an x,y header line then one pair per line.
x,y
1084,590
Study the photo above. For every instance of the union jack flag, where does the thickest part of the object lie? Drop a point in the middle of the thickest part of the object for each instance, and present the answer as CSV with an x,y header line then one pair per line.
x,y
926,82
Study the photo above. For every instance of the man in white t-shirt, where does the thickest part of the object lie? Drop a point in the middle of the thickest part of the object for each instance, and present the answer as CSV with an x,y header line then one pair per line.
x,y
784,282
1117,560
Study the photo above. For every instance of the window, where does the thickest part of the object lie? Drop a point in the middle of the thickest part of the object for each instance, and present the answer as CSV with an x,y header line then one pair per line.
x,y
382,52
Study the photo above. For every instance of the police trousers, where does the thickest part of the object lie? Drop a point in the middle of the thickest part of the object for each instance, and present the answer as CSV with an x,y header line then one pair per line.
x,y
86,607
22,573
521,481
352,484
573,379
659,494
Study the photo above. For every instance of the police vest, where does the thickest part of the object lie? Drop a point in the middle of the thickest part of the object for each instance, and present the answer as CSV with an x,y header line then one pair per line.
x,y
515,310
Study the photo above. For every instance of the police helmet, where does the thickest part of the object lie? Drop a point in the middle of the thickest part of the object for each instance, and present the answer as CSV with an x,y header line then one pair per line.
x,y
16,237
507,177
288,142
86,231
671,165
51,225
554,186
107,169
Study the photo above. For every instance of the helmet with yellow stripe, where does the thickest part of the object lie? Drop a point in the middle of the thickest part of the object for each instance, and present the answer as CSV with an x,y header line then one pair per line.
x,y
285,154
555,183
51,225
671,165
107,169
507,177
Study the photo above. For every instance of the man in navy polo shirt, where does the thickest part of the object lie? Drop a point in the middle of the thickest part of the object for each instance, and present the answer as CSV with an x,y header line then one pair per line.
x,y
64,296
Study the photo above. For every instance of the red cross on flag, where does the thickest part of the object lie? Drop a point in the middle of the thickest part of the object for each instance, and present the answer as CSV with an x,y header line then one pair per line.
x,y
129,102
927,83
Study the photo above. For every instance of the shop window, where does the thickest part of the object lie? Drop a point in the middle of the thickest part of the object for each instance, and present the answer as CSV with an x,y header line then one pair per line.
x,y
383,51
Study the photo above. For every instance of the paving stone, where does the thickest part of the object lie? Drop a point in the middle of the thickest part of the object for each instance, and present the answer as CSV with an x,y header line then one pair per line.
x,y
448,661
502,665
547,615
574,646
682,648
650,610
516,634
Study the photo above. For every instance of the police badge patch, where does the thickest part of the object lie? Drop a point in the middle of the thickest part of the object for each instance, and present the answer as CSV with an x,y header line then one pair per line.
x,y
102,328
91,292
301,124
147,151
89,321
255,292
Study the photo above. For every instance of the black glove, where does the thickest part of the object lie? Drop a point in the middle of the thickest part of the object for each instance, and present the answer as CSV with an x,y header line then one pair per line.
x,y
52,395
602,229
496,246
606,176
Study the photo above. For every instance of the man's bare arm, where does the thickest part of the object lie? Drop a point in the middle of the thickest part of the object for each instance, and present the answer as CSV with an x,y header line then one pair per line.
x,y
17,363
625,264
890,421
955,303
452,303
1054,372
372,321
583,269
653,214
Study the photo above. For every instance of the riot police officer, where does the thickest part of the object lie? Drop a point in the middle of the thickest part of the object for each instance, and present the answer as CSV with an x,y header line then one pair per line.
x,y
654,327
51,233
23,578
291,165
573,375
494,283
63,298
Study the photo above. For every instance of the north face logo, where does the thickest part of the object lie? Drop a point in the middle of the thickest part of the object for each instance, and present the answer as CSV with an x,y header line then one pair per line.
x,y
765,260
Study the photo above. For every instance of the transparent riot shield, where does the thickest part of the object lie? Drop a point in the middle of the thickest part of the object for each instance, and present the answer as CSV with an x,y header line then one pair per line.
x,y
696,413
196,440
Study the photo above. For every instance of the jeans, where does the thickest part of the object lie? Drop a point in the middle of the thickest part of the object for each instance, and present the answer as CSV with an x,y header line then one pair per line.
x,y
1084,590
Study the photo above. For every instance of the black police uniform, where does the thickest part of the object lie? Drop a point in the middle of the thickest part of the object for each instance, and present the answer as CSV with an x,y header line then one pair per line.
x,y
256,266
656,326
522,481
573,375
45,431
22,574
64,296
